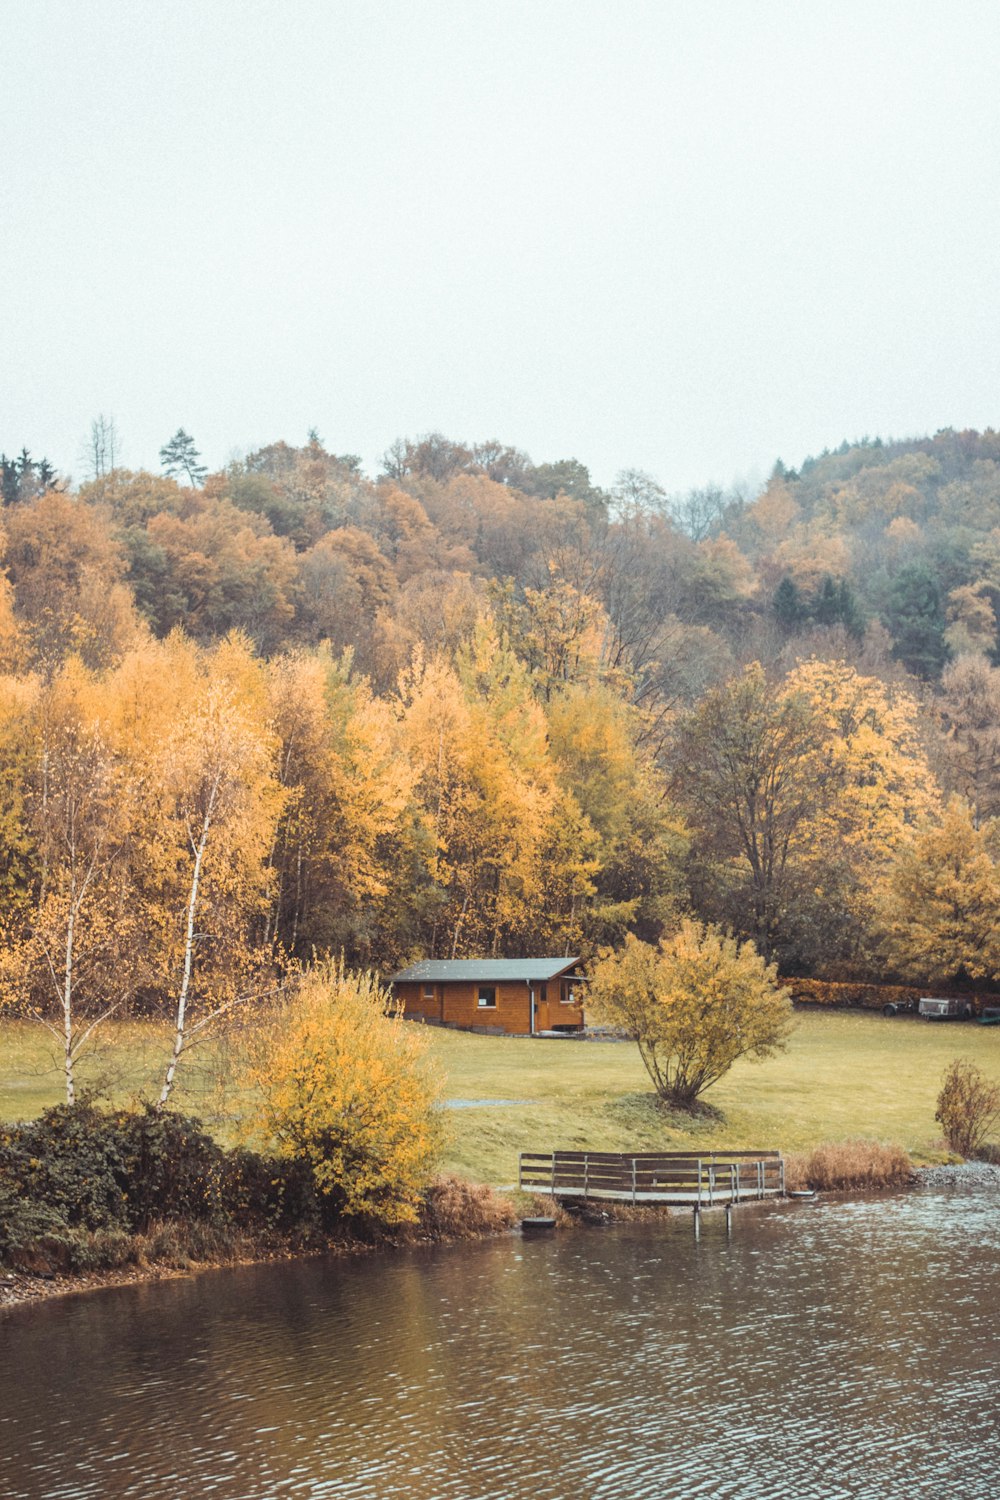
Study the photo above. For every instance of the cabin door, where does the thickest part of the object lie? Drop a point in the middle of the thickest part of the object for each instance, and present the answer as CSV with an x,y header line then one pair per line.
x,y
539,1007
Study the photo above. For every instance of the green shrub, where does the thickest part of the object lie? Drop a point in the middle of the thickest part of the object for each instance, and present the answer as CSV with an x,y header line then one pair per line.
x,y
70,1161
274,1192
170,1167
23,1224
80,1184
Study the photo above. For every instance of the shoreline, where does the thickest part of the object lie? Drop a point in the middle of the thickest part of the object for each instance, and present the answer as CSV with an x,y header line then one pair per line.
x,y
25,1289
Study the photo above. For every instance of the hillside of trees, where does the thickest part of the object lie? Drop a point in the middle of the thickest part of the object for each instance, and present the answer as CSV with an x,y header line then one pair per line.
x,y
477,705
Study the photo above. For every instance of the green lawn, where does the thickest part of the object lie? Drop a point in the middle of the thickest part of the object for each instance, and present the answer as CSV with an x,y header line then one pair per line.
x,y
126,1063
844,1074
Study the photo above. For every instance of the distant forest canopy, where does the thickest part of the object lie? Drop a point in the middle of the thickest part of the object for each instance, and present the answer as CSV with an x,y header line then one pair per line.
x,y
485,706
895,545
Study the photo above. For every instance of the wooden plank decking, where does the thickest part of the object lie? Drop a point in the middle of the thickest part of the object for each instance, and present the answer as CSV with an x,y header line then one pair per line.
x,y
668,1177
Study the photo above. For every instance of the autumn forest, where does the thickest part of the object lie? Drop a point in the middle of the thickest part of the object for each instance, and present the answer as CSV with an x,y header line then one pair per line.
x,y
480,706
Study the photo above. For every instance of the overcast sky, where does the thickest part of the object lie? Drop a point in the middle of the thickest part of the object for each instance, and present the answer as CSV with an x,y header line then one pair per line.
x,y
681,237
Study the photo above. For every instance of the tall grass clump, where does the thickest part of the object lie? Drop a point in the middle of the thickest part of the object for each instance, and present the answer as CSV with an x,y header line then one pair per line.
x,y
849,1164
454,1209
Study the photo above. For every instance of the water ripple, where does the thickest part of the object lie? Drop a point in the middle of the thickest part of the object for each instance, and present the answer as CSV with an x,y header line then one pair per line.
x,y
824,1352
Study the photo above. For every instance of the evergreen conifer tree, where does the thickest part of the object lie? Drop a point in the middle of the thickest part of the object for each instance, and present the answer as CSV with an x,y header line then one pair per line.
x,y
181,459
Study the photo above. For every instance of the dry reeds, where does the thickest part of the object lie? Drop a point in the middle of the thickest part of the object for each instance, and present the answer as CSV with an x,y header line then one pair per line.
x,y
454,1209
848,1164
550,1208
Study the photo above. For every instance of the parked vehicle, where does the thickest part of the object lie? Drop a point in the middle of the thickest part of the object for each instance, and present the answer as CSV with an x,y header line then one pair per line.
x,y
900,1008
933,1009
990,1016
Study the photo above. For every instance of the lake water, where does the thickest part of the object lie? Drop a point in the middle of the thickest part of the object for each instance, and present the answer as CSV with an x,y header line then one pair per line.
x,y
824,1350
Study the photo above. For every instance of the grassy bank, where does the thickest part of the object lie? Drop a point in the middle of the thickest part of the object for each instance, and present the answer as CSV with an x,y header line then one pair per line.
x,y
844,1075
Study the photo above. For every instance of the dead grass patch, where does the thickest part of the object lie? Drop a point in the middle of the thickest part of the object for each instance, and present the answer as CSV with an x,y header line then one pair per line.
x,y
455,1209
849,1164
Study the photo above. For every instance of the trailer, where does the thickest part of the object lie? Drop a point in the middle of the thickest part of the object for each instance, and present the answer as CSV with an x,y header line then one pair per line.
x,y
933,1008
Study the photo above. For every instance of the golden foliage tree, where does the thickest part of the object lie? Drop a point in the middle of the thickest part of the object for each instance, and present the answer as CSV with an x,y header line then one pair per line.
x,y
67,570
637,842
694,1005
18,757
940,900
347,797
485,804
796,790
346,1087
72,958
218,815
195,726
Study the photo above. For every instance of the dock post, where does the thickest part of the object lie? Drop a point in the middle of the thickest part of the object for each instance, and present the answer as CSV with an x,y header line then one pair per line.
x,y
729,1220
697,1222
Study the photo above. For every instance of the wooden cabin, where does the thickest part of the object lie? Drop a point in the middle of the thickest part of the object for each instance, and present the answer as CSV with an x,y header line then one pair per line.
x,y
511,996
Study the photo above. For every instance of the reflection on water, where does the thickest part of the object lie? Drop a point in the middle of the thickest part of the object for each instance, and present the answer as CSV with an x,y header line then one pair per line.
x,y
825,1350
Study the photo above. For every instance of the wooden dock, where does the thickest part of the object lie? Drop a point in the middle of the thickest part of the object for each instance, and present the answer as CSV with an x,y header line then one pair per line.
x,y
713,1180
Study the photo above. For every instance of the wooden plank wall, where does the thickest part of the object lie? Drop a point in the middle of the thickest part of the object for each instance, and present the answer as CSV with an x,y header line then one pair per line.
x,y
457,1003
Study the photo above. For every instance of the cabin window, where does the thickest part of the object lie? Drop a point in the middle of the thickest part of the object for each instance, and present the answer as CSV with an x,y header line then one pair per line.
x,y
428,992
568,994
487,994
543,992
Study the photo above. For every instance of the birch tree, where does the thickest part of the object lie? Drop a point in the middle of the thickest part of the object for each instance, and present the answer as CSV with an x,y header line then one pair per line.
x,y
75,962
196,727
221,801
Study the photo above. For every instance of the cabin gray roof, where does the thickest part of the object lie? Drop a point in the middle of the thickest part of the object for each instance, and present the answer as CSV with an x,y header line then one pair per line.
x,y
436,971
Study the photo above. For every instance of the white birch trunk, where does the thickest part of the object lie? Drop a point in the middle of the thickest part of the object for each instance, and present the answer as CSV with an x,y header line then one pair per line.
x,y
185,986
67,1008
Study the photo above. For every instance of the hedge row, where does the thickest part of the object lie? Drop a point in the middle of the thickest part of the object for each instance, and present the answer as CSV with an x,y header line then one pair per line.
x,y
84,1188
843,996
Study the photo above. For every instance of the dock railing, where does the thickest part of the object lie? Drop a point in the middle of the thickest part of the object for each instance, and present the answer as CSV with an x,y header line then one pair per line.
x,y
706,1181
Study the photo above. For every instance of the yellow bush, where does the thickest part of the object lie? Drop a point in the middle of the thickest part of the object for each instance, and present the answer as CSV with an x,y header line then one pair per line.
x,y
694,1005
346,1087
